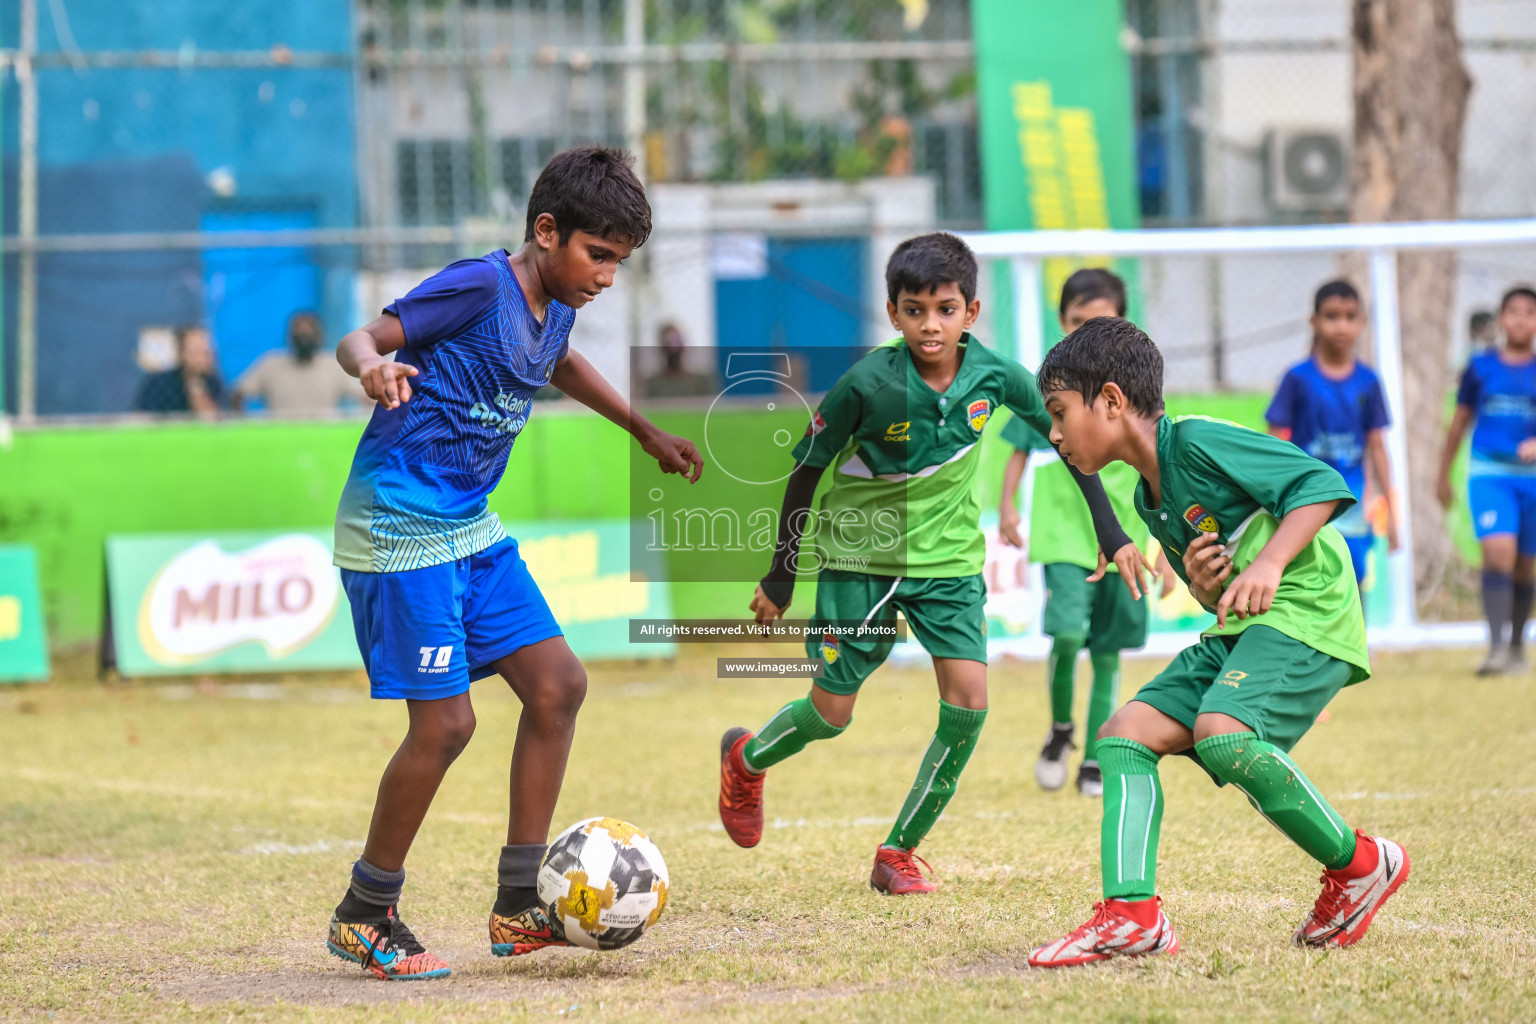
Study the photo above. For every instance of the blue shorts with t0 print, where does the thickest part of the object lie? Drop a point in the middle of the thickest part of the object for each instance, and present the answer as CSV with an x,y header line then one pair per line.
x,y
427,633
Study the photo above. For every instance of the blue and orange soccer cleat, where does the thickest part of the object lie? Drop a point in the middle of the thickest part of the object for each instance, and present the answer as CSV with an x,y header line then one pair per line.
x,y
386,948
527,931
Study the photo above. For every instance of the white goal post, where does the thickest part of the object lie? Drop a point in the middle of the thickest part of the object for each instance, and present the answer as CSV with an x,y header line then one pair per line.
x,y
1027,250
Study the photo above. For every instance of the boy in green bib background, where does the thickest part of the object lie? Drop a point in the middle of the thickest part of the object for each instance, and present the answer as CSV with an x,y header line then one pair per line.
x,y
898,530
1246,519
1101,615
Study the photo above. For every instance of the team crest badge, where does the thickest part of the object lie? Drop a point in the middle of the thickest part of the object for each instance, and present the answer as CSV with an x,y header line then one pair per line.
x,y
817,425
1197,517
829,648
978,412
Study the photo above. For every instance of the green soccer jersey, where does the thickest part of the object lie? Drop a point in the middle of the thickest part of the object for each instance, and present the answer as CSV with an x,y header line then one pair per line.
x,y
903,498
1222,478
1060,525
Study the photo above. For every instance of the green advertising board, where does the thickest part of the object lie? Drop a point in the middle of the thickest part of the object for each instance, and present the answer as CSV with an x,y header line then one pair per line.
x,y
23,643
271,601
1057,135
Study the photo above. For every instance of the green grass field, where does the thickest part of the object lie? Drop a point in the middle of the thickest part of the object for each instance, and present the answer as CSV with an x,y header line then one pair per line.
x,y
173,852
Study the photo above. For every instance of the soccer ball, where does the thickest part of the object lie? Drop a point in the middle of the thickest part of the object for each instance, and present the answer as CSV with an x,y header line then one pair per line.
x,y
604,881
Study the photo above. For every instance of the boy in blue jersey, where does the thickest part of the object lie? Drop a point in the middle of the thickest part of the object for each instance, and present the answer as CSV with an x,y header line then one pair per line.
x,y
440,596
1498,390
1331,406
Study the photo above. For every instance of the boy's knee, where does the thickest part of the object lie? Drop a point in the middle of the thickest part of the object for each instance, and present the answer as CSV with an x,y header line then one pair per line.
x,y
449,732
559,693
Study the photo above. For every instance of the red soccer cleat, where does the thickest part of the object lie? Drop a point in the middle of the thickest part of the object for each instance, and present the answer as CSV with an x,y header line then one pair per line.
x,y
741,791
896,875
1352,895
1116,929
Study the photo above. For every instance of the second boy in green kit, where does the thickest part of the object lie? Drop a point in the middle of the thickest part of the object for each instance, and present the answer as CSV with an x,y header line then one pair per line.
x,y
899,530
1099,615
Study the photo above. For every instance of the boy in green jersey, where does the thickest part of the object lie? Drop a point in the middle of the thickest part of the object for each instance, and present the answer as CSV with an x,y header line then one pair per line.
x,y
899,530
1101,615
1246,516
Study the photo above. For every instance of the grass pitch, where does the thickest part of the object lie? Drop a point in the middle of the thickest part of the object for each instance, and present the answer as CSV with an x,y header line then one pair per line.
x,y
173,852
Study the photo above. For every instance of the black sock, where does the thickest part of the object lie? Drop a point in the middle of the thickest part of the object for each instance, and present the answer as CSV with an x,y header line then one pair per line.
x,y
512,900
372,892
354,909
1520,613
517,878
1498,601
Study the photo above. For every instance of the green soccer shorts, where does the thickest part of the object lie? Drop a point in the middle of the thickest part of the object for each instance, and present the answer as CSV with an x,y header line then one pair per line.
x,y
1271,683
1104,611
946,614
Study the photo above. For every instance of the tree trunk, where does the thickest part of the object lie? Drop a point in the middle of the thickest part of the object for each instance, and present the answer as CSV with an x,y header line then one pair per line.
x,y
1411,92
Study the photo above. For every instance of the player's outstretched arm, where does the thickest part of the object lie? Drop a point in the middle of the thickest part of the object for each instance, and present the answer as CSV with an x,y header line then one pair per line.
x,y
580,380
1253,590
773,594
1008,511
1129,559
1453,437
1381,469
361,353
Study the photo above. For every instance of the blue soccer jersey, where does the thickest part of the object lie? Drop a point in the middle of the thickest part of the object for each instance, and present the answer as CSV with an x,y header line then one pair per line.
x,y
1503,398
1331,419
417,492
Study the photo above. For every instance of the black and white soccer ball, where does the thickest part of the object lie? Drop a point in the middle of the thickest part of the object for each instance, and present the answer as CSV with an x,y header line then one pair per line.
x,y
604,881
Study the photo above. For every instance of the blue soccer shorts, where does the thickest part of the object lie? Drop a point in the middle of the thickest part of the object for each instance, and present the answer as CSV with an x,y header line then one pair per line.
x,y
427,633
1505,504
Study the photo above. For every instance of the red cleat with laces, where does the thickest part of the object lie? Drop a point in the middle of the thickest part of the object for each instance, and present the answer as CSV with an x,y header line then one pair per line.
x,y
1352,894
741,791
1118,928
896,874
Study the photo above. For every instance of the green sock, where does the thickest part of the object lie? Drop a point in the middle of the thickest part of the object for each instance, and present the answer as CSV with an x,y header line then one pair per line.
x,y
1061,670
1133,814
1280,792
1103,698
786,734
953,743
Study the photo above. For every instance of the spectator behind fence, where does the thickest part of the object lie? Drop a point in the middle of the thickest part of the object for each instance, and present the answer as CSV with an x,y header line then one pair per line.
x,y
295,382
673,381
192,385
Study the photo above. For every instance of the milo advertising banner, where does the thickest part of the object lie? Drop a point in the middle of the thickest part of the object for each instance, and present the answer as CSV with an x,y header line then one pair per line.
x,y
227,602
1057,135
272,601
23,643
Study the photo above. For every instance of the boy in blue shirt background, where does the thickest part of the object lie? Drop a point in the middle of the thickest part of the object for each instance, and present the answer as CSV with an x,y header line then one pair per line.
x,y
440,596
1331,406
1498,390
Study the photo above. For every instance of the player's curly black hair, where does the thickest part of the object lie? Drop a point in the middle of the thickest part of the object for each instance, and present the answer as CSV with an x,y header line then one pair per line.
x,y
592,189
1106,349
924,263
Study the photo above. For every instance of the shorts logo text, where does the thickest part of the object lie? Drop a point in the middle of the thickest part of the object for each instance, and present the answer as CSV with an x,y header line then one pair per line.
x,y
434,660
1233,678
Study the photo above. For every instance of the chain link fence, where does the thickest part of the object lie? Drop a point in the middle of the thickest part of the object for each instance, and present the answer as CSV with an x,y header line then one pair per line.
x,y
788,145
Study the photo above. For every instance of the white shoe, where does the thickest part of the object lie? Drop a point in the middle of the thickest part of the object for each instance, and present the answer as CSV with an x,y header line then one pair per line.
x,y
1110,932
1051,767
1349,901
1090,781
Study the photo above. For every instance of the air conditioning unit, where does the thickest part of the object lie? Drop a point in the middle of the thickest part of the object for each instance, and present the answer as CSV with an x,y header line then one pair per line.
x,y
1308,169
